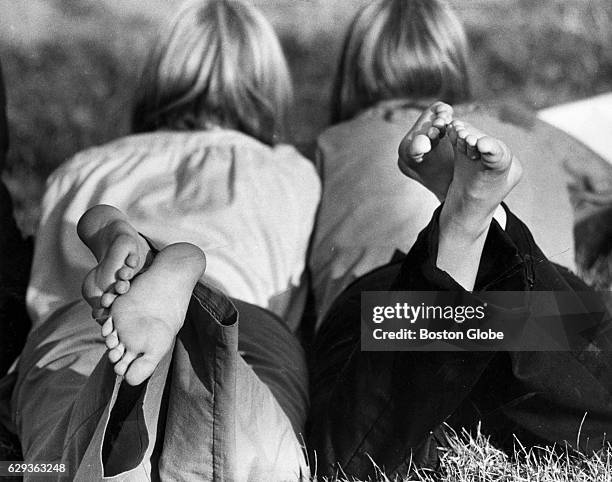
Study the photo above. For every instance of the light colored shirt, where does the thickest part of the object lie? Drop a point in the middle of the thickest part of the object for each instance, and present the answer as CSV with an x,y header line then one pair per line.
x,y
248,206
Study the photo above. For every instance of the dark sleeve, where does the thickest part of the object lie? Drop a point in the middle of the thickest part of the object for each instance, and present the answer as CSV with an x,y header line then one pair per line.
x,y
501,265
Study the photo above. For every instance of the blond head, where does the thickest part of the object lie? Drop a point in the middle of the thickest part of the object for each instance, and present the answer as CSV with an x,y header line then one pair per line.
x,y
218,64
401,49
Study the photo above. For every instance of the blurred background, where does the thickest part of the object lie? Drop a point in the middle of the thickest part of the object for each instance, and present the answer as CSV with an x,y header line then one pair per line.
x,y
71,66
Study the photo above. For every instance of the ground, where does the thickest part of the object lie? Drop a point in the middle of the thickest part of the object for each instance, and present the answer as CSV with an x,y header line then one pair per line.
x,y
471,458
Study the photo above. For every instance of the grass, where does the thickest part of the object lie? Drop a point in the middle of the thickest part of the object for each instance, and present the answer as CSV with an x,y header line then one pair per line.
x,y
71,68
471,457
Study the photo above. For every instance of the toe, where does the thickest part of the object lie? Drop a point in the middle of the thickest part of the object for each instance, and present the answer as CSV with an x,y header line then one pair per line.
x,y
471,140
461,136
107,327
411,149
443,119
490,147
116,353
433,133
122,365
125,273
140,370
122,287
420,146
132,260
496,155
442,108
112,340
107,299
439,122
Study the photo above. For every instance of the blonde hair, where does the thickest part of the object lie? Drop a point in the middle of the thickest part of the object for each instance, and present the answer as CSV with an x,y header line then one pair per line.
x,y
398,49
220,63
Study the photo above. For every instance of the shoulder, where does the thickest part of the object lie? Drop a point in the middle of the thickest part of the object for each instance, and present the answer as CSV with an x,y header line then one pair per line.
x,y
283,159
336,135
88,159
377,126
297,169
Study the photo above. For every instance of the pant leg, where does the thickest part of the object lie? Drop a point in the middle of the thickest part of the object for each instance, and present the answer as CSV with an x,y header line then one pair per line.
x,y
268,346
379,405
385,405
219,404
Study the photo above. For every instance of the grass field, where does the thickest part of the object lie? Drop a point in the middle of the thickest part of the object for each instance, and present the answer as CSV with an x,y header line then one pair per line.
x,y
71,67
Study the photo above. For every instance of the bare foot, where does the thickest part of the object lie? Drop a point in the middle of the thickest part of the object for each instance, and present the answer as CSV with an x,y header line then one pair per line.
x,y
121,253
148,317
471,172
485,171
425,153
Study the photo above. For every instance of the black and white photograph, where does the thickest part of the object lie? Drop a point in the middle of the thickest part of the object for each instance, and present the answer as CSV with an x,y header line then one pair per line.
x,y
306,240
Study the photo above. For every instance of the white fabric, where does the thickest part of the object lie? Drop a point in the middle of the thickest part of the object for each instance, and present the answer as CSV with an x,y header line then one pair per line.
x,y
249,207
588,120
